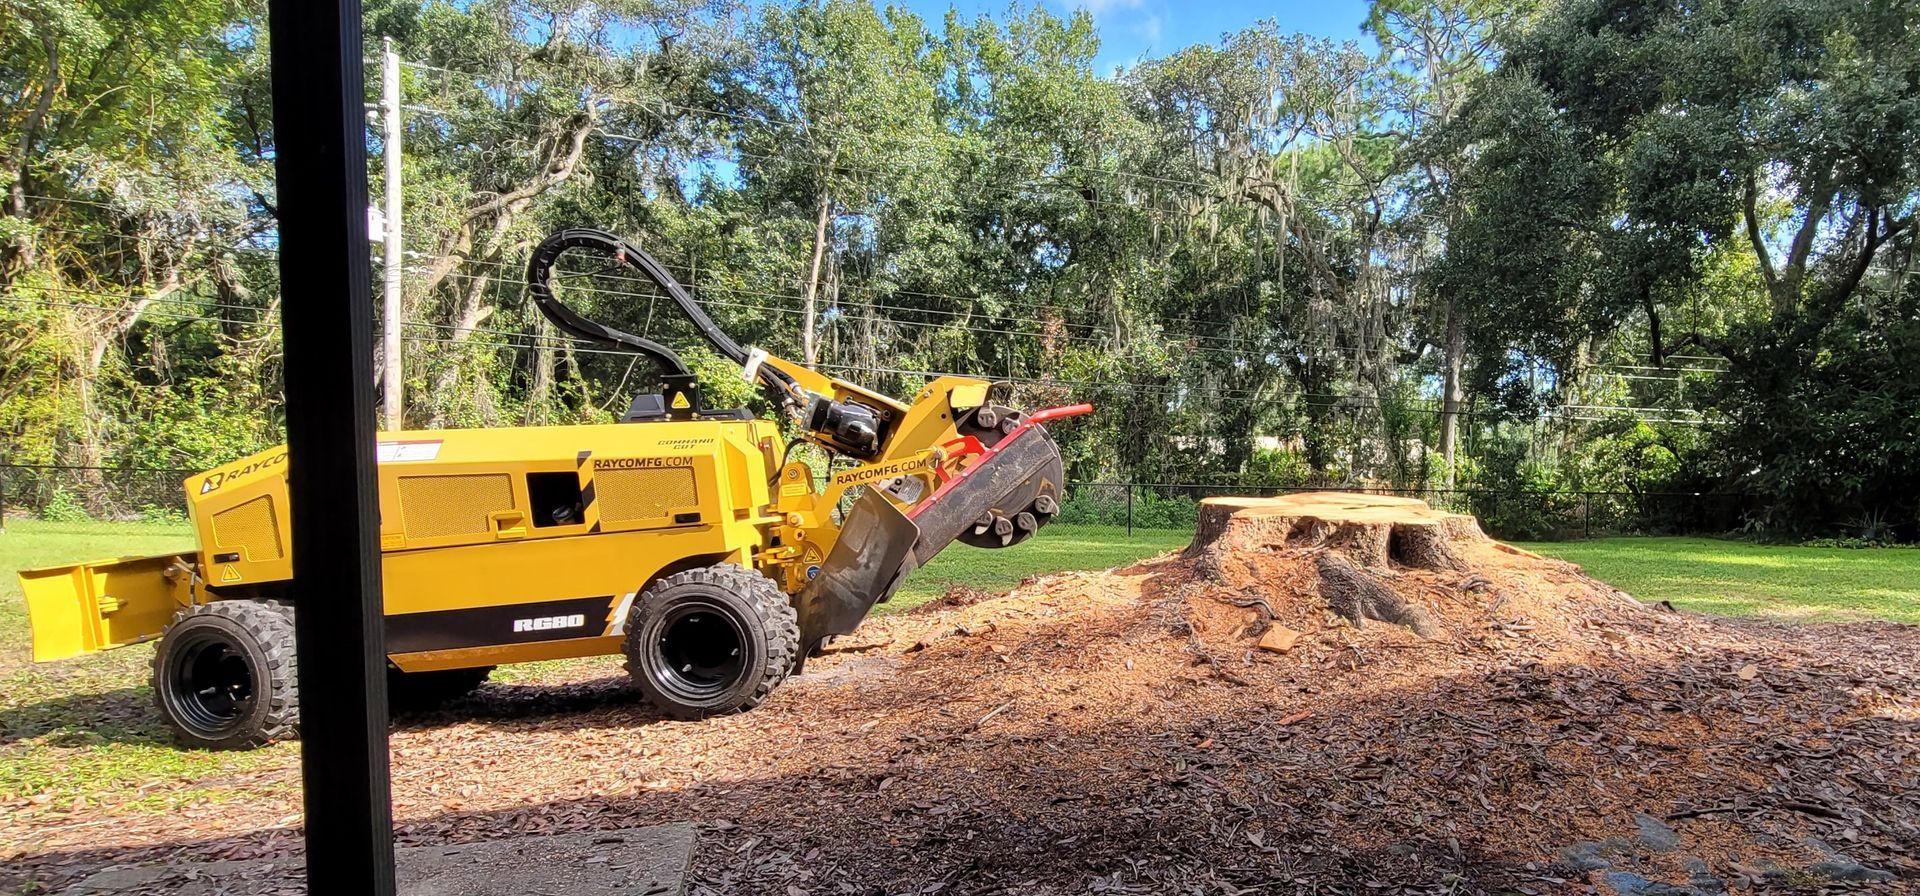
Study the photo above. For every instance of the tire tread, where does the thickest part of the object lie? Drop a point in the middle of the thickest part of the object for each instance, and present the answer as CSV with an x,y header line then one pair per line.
x,y
271,623
777,618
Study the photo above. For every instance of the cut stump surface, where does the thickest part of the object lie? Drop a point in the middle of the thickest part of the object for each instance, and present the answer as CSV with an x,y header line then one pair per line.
x,y
1369,558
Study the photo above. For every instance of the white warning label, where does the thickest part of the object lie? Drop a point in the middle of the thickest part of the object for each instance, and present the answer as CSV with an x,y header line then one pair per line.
x,y
404,452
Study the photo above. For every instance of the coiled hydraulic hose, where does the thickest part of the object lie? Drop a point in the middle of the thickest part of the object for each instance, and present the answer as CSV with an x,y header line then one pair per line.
x,y
540,287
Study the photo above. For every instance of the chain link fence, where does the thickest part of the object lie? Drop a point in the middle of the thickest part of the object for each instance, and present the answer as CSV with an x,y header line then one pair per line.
x,y
1520,515
71,493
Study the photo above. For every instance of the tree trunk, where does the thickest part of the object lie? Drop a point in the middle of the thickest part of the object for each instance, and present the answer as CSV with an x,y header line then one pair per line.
x,y
29,132
1451,394
473,312
542,388
810,307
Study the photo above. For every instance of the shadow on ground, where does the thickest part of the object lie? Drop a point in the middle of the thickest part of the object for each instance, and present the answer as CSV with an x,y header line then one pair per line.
x,y
120,715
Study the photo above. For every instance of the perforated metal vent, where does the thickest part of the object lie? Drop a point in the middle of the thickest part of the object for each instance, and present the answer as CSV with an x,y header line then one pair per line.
x,y
646,494
251,527
439,506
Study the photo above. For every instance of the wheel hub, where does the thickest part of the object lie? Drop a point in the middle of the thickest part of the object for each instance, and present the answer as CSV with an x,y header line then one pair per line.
x,y
701,652
212,684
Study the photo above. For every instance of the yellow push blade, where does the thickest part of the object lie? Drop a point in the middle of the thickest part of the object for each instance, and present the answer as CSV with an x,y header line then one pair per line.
x,y
89,607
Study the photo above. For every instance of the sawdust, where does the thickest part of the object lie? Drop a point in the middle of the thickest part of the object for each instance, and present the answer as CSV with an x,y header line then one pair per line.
x,y
1124,732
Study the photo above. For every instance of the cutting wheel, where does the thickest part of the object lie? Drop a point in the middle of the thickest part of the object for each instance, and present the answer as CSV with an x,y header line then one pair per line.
x,y
1026,507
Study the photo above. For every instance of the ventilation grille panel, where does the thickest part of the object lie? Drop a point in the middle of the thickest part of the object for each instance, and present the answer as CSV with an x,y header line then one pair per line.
x,y
644,494
440,506
252,527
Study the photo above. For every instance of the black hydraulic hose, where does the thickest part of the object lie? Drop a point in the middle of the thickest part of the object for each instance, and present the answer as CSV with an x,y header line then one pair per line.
x,y
539,285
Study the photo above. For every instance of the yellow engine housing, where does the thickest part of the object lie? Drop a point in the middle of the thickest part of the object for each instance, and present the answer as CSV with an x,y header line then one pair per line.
x,y
510,545
481,530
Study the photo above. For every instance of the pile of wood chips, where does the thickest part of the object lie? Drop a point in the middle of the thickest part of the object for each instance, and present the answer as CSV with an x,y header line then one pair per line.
x,y
1326,696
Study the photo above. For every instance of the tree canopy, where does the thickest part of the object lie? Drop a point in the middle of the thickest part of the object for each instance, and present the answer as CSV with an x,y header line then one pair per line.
x,y
1612,245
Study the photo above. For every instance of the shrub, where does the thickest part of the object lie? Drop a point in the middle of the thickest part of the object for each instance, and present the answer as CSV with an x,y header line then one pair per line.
x,y
63,507
154,513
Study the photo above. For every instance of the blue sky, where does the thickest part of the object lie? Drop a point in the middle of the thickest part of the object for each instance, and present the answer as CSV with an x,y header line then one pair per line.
x,y
1130,29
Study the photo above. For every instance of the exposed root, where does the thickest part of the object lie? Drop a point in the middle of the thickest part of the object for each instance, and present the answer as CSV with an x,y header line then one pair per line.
x,y
1358,595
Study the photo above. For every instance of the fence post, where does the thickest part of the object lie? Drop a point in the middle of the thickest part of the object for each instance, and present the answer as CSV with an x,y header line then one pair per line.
x,y
1129,510
1586,514
3,494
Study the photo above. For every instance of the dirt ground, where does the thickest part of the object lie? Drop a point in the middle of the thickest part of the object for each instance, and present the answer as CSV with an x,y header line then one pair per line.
x,y
1206,722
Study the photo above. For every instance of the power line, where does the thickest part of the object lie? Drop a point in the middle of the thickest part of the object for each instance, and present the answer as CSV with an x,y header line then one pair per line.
x,y
1353,403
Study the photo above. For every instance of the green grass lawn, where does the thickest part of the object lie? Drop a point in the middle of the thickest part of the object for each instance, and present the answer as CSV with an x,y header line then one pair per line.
x,y
83,730
1735,578
1056,548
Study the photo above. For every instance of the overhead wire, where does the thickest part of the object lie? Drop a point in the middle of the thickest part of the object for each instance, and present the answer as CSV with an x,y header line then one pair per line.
x,y
908,309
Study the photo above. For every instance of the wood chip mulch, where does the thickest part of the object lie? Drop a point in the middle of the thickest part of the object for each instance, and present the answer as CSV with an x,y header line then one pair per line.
x,y
1124,732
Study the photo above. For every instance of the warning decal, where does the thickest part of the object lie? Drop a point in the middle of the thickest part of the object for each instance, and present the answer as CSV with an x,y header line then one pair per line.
x,y
403,452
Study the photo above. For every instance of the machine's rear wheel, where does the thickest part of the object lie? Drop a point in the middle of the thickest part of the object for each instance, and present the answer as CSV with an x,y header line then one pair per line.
x,y
710,641
223,675
411,691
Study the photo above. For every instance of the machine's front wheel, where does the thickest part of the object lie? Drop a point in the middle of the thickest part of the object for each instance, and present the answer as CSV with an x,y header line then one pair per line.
x,y
224,674
710,641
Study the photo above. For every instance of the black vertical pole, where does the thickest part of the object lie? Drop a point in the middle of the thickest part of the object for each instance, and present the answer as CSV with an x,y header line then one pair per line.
x,y
1129,510
327,316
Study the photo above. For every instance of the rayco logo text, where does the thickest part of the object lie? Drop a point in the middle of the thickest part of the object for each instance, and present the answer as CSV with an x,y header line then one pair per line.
x,y
640,463
876,473
215,480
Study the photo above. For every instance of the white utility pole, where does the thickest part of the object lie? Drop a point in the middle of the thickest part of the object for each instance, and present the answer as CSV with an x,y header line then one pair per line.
x,y
392,399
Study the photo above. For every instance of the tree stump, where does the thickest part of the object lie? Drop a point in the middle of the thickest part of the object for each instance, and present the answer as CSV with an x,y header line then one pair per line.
x,y
1355,542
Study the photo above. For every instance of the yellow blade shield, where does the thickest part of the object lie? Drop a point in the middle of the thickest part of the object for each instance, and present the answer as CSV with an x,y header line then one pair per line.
x,y
88,607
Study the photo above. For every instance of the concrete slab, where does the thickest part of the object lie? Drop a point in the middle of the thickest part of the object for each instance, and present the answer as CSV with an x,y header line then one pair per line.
x,y
650,861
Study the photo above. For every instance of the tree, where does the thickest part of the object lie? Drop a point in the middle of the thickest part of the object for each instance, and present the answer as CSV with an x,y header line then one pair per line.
x,y
845,85
1624,141
1432,55
122,182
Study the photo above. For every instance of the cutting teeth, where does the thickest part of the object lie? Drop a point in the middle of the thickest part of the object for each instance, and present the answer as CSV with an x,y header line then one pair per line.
x,y
1025,522
1045,505
1003,527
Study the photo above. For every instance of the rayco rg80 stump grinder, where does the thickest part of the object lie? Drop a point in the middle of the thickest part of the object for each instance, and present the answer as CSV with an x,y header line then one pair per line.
x,y
684,537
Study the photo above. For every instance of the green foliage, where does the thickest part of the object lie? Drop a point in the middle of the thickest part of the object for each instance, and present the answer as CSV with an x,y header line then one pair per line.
x,y
161,516
1277,468
1715,178
1271,238
64,507
1516,496
1854,544
1151,508
1833,448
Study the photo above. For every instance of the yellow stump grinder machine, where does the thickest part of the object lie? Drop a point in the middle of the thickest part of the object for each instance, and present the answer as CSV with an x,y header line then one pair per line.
x,y
686,538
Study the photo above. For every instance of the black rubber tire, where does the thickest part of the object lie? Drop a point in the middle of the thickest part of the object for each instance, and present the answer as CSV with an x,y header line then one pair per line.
x,y
224,675
416,691
735,638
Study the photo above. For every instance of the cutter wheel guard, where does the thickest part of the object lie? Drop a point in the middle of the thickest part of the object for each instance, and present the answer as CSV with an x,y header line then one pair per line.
x,y
684,537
